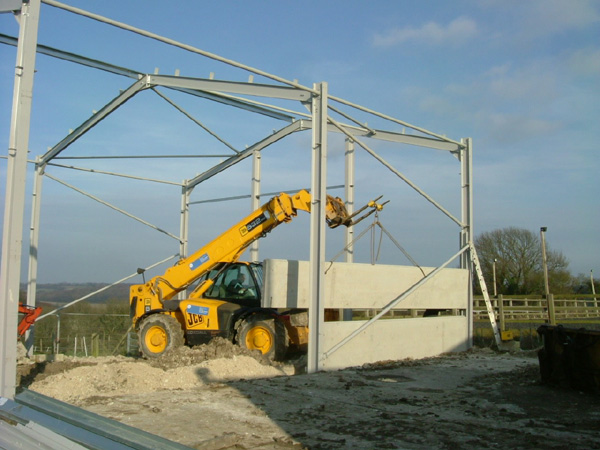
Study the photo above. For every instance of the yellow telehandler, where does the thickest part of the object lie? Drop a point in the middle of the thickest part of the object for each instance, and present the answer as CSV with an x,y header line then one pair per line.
x,y
225,293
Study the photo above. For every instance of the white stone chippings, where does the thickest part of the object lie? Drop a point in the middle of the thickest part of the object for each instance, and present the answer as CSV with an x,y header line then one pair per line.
x,y
120,378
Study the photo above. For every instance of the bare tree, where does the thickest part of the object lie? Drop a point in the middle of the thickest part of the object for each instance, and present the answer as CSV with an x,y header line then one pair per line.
x,y
518,259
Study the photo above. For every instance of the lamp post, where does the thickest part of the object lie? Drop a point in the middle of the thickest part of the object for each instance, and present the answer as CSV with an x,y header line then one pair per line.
x,y
545,260
494,274
549,298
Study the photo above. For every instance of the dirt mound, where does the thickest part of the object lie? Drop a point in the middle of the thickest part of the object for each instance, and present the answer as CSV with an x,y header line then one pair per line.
x,y
77,380
217,348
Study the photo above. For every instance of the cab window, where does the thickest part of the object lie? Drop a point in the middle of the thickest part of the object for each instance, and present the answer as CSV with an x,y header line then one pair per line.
x,y
234,283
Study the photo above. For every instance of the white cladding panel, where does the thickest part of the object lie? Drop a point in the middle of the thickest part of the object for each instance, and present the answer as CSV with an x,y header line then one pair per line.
x,y
352,285
394,339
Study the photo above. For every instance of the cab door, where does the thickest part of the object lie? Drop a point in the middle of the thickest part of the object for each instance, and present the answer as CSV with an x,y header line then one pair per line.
x,y
236,284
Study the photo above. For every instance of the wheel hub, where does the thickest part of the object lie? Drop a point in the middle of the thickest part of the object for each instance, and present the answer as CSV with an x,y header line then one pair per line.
x,y
259,338
156,339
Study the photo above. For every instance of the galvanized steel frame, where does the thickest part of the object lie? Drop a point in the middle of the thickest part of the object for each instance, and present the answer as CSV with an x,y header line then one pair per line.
x,y
318,120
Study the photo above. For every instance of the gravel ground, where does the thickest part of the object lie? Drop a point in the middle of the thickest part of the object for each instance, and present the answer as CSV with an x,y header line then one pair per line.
x,y
221,397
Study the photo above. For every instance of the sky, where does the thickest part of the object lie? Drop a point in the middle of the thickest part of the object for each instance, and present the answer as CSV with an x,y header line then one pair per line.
x,y
521,79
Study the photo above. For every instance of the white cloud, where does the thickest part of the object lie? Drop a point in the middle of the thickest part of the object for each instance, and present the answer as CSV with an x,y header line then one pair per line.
x,y
456,32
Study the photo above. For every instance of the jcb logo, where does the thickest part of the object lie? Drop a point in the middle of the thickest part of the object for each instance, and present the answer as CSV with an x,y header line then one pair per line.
x,y
194,319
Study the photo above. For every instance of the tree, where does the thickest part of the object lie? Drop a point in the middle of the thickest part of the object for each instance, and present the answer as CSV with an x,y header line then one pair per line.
x,y
518,256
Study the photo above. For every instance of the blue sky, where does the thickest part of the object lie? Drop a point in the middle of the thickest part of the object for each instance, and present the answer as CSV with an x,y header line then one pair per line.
x,y
522,79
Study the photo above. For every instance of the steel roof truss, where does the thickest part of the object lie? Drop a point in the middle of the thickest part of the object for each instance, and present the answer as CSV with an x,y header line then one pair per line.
x,y
283,132
200,84
94,119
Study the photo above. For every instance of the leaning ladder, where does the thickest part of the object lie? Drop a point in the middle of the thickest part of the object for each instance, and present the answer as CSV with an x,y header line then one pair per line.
x,y
486,296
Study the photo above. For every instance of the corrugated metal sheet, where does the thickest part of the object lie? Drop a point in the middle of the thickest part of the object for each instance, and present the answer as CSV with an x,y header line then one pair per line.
x,y
15,436
33,420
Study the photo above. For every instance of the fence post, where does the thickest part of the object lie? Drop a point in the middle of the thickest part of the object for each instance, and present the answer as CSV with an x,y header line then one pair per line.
x,y
57,340
501,313
551,312
593,288
95,344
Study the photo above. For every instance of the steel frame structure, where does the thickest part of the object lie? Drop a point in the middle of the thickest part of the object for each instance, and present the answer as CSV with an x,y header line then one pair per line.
x,y
316,99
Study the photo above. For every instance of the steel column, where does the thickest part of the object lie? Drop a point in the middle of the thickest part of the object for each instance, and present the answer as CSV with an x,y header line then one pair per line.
x,y
466,234
255,197
316,316
184,227
34,238
349,195
184,220
14,207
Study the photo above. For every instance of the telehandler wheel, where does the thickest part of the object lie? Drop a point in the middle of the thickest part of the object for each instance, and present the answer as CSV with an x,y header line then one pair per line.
x,y
269,336
159,334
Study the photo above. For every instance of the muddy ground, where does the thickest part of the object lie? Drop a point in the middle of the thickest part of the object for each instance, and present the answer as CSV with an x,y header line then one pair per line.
x,y
221,397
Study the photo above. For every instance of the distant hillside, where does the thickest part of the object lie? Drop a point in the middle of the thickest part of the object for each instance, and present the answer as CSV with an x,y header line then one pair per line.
x,y
58,293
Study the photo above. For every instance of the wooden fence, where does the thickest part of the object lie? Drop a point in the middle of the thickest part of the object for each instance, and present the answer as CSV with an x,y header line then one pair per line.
x,y
518,308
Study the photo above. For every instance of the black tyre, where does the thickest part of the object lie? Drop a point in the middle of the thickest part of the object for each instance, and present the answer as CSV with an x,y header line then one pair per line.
x,y
159,334
265,334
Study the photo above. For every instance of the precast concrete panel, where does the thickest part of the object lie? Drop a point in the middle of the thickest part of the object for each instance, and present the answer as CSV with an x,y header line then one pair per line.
x,y
352,285
394,339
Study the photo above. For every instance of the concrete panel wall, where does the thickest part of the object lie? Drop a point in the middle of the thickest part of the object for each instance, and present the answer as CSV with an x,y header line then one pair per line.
x,y
394,340
364,286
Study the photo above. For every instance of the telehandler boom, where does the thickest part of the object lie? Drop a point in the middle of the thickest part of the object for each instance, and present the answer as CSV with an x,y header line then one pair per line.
x,y
223,303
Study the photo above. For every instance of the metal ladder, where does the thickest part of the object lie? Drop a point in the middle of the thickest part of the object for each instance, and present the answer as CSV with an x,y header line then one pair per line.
x,y
486,296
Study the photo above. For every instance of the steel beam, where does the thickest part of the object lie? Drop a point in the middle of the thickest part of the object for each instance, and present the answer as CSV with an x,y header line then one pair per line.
x,y
401,138
280,134
95,119
392,119
199,84
175,43
75,58
435,143
397,173
14,206
124,71
10,5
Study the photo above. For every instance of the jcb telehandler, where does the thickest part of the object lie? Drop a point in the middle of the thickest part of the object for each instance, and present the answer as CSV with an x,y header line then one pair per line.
x,y
225,294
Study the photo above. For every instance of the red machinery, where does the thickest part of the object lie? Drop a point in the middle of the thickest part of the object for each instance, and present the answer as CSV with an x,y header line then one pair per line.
x,y
30,314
